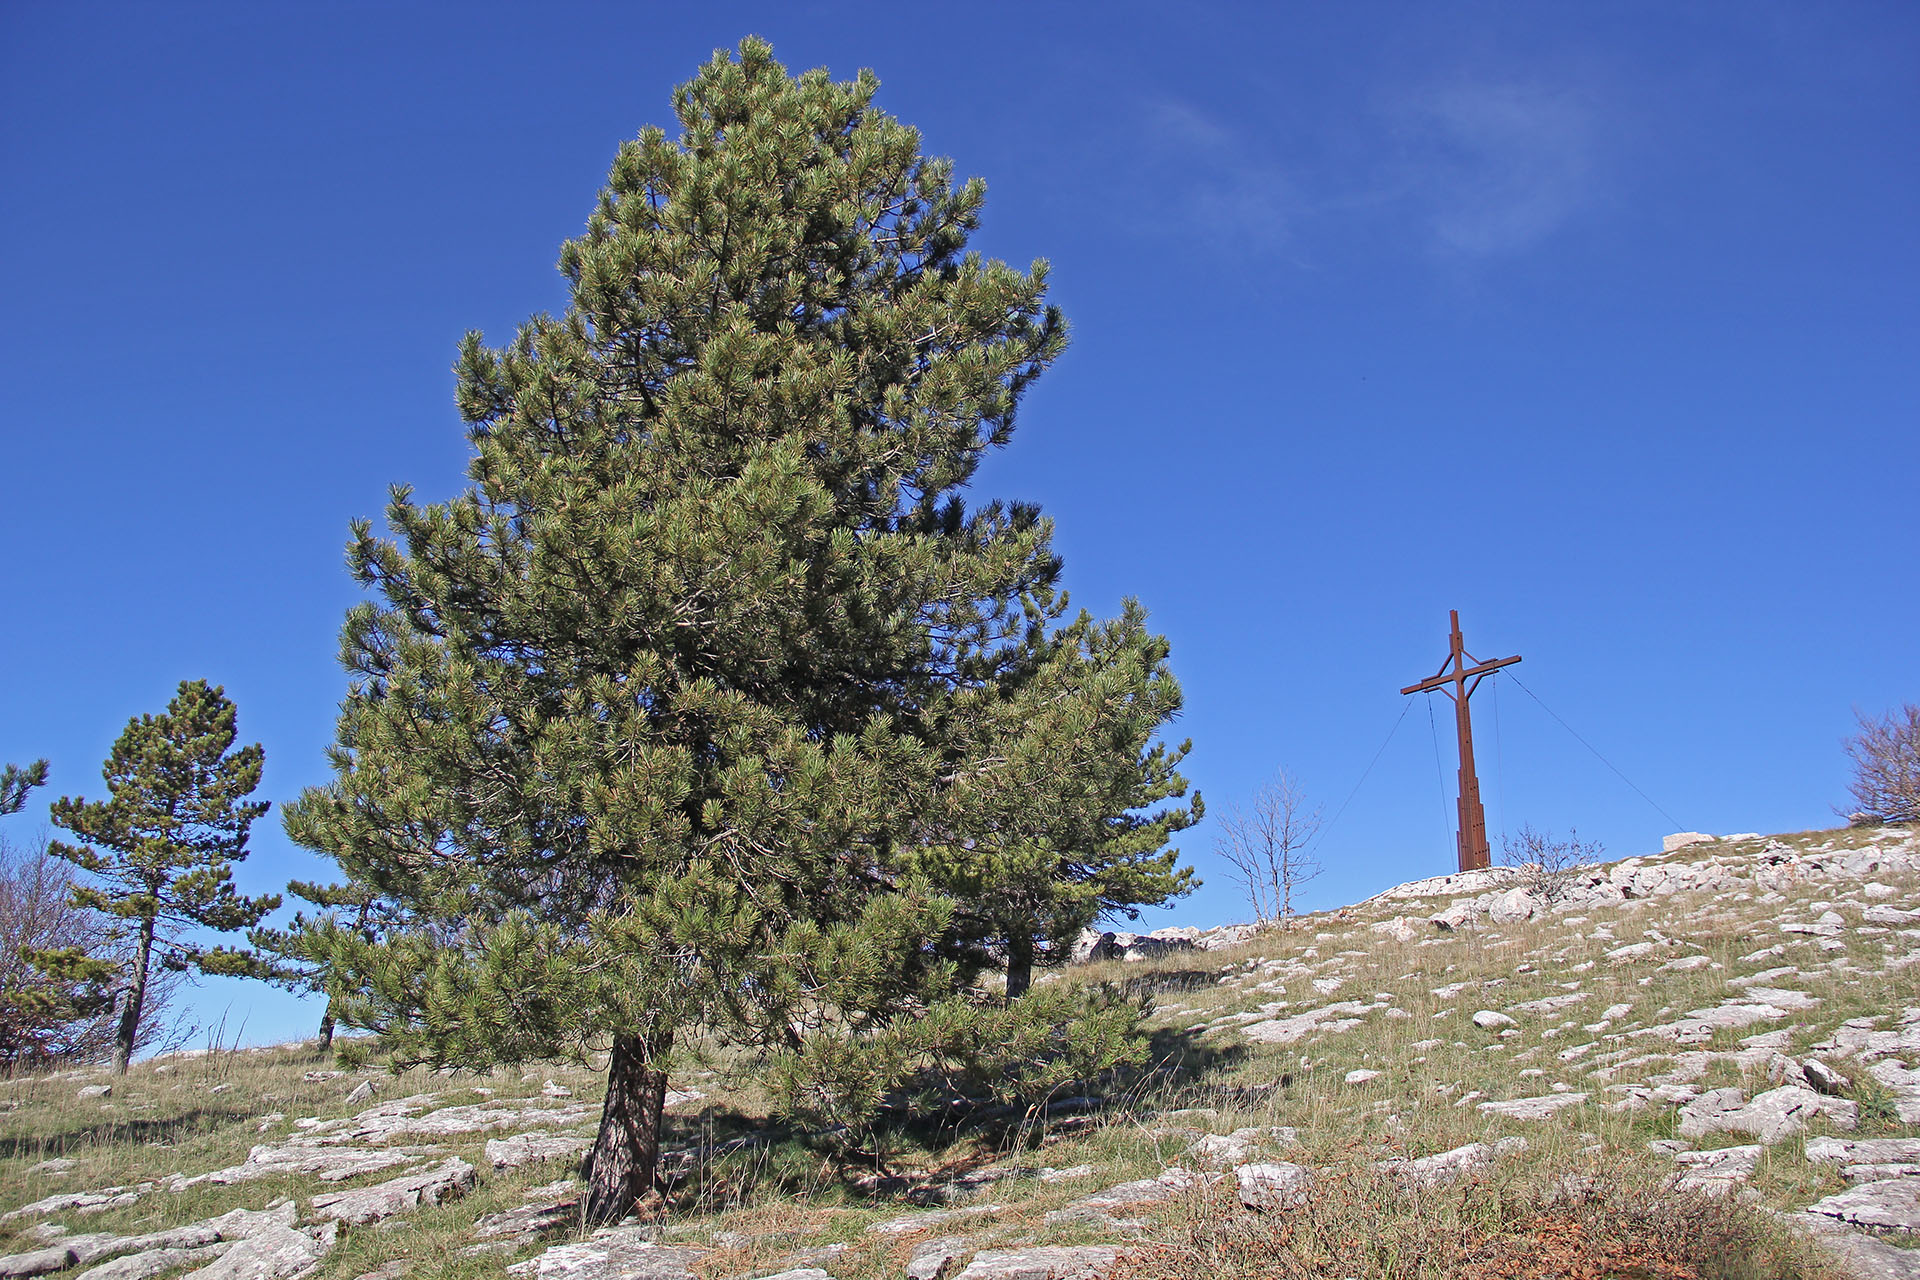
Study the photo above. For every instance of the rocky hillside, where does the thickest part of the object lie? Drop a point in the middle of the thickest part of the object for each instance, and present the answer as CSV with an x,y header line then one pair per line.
x,y
1701,1063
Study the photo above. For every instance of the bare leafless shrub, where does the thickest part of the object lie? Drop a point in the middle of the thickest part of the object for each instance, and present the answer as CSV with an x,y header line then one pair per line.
x,y
1548,866
1886,766
1265,846
37,914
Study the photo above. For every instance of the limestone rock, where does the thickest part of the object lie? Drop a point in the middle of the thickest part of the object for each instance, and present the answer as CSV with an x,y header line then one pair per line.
x,y
534,1148
1532,1108
80,1202
1492,1020
36,1263
1772,1116
1449,1166
448,1180
273,1254
1718,1170
1824,1078
1866,1258
1083,1262
1681,839
142,1266
329,1164
1339,1016
938,1258
1891,1204
1400,929
612,1253
1361,1076
1515,905
1278,1185
96,1091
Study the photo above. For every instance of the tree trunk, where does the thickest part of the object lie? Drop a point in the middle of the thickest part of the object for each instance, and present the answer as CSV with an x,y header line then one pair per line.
x,y
136,996
1019,965
326,1028
626,1153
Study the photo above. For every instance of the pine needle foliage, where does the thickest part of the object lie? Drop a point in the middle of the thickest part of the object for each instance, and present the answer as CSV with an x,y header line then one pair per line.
x,y
655,732
160,851
16,781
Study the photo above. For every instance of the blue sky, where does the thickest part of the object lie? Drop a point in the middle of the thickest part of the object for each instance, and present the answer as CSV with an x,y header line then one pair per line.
x,y
1595,322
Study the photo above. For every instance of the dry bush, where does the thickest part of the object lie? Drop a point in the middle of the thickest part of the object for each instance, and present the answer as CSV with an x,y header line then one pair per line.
x,y
37,913
1265,846
1547,865
1886,766
1532,1225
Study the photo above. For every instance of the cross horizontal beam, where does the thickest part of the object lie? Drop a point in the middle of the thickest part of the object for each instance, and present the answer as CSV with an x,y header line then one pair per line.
x,y
1449,677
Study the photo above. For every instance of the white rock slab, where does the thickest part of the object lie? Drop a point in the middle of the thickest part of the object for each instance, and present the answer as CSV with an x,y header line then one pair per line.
x,y
1532,1108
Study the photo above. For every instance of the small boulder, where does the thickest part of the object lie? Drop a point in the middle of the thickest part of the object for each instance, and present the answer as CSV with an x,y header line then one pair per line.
x,y
1279,1185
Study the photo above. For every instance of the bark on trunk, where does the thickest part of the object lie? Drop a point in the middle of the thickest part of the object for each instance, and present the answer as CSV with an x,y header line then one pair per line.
x,y
626,1153
129,1027
326,1028
1019,965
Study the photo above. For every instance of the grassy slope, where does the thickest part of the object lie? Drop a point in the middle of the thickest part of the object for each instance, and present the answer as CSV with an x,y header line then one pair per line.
x,y
194,1114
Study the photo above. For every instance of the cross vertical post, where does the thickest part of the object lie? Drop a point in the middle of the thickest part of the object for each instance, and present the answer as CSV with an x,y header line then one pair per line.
x,y
1464,673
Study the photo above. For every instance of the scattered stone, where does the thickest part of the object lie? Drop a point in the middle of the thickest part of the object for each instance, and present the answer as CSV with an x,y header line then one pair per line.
x,y
938,1258
1772,1116
1338,1016
1490,1020
142,1266
271,1254
1533,1108
59,1164
448,1180
498,1232
1450,1166
36,1263
1718,1170
938,1217
80,1202
96,1091
1067,1174
1824,1078
1361,1076
1278,1185
799,1273
1887,1205
1681,839
1082,1262
534,1148
329,1164
361,1092
612,1253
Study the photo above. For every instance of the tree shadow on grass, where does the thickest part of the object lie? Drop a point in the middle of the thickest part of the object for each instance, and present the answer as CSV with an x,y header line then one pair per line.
x,y
120,1132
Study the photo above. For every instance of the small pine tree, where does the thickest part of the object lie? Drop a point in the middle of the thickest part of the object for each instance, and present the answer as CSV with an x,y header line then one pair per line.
x,y
161,849
299,964
1062,819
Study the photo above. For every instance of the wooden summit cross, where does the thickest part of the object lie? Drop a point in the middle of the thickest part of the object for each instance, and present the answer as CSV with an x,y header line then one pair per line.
x,y
1465,679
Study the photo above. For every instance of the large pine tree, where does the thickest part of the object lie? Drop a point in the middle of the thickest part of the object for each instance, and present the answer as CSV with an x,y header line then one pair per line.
x,y
651,728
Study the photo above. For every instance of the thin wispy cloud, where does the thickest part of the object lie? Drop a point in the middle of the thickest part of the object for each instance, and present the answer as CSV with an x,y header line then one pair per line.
x,y
1473,168
1498,167
1211,179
